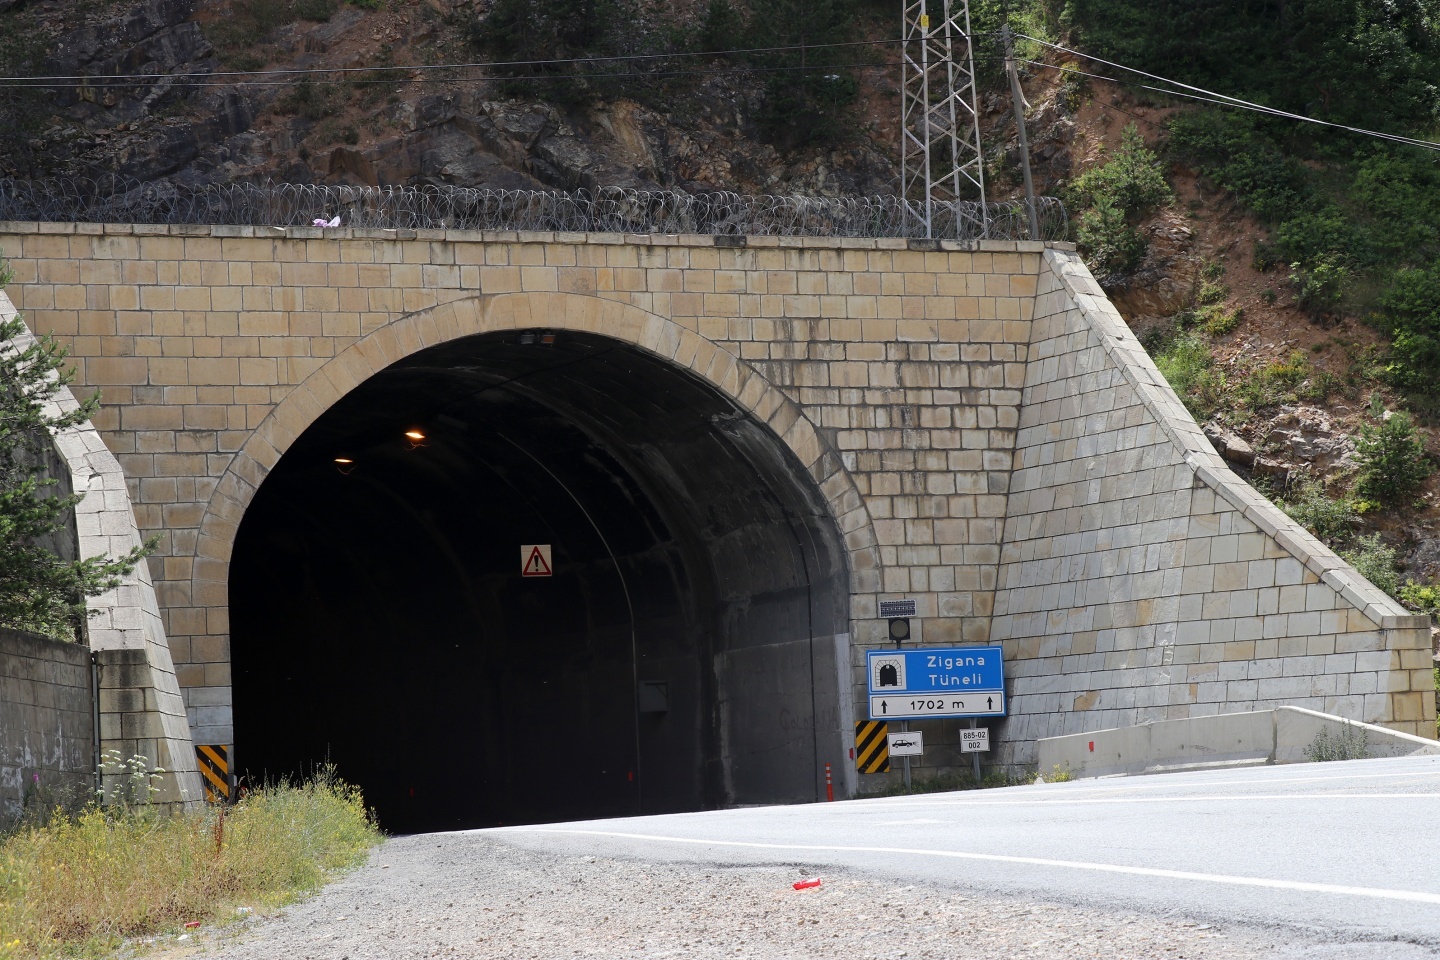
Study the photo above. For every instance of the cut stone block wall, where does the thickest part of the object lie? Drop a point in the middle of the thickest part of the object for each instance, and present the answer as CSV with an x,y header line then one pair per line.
x,y
990,439
1141,580
47,725
128,617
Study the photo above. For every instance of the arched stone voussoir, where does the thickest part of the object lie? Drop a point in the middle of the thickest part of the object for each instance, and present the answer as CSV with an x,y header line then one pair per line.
x,y
490,313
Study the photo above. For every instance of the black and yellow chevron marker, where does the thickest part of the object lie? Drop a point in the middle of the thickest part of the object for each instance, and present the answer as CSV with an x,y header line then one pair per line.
x,y
872,746
215,772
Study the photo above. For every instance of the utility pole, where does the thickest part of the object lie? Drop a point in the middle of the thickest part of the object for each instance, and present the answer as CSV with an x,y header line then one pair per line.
x,y
940,159
1018,99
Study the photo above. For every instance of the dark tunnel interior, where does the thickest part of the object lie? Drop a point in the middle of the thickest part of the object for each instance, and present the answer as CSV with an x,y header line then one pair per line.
x,y
681,654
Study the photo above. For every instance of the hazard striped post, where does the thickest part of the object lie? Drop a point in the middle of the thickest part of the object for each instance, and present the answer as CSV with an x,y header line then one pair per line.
x,y
872,746
216,773
829,785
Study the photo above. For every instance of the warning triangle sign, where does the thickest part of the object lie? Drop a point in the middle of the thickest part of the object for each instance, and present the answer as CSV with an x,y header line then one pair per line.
x,y
535,560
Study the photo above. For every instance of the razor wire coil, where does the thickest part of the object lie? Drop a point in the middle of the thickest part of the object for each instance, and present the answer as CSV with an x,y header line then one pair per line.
x,y
605,210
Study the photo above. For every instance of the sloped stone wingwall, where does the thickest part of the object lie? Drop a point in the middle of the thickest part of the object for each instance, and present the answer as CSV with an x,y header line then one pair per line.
x,y
145,714
1140,579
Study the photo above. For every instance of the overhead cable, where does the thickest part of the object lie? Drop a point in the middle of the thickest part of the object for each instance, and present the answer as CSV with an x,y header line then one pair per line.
x,y
1210,96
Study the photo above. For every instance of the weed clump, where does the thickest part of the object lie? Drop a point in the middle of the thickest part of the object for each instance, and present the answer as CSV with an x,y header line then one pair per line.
x,y
79,885
1351,743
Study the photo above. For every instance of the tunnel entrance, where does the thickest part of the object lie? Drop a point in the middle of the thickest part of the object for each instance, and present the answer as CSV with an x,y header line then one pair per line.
x,y
683,653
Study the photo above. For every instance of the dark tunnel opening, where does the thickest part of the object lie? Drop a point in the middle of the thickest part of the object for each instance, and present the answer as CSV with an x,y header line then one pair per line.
x,y
681,655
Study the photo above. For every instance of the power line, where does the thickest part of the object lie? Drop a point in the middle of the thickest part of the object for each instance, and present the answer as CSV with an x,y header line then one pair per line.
x,y
422,67
203,80
1210,96
317,75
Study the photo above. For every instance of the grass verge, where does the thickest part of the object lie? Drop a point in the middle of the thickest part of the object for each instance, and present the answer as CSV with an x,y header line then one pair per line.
x,y
78,886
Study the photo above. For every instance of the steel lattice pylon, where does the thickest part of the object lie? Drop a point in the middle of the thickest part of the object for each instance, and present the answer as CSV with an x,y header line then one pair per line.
x,y
940,158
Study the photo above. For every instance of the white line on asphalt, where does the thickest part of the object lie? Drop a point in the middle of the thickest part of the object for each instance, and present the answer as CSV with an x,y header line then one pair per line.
x,y
1129,783
1412,896
1198,798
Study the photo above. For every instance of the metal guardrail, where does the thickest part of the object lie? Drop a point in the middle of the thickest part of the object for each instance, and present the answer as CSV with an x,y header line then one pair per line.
x,y
607,210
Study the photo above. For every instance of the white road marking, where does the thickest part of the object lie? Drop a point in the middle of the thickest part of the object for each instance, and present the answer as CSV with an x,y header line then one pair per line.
x,y
908,823
1164,782
1198,798
1410,896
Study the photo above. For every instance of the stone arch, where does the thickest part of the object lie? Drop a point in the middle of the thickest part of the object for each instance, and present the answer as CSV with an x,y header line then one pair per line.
x,y
490,313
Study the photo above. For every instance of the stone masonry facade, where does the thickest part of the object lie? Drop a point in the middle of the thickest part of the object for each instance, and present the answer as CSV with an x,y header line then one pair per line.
x,y
141,709
991,440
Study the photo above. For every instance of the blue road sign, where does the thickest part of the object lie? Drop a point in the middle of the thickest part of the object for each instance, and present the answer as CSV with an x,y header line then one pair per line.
x,y
936,682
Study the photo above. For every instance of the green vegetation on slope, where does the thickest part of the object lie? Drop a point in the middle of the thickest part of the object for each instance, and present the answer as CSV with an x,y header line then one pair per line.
x,y
1355,221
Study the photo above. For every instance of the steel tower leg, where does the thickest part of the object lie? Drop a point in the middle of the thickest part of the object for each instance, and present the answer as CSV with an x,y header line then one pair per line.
x,y
941,164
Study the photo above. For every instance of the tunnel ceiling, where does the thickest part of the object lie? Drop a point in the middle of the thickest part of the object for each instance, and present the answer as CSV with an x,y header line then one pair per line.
x,y
692,550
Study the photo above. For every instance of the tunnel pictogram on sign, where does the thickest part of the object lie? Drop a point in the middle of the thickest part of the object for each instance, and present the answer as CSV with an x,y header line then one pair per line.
x,y
872,746
220,784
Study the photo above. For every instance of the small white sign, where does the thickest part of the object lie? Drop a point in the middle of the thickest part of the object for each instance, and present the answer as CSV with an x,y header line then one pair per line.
x,y
975,741
910,744
535,560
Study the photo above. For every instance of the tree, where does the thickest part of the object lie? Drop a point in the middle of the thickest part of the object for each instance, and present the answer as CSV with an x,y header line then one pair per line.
x,y
1392,459
39,590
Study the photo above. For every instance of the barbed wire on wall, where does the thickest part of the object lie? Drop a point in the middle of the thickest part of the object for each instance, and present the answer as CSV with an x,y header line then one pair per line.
x,y
606,210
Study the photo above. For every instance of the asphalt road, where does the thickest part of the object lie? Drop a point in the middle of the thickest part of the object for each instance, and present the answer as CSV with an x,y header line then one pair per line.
x,y
1336,852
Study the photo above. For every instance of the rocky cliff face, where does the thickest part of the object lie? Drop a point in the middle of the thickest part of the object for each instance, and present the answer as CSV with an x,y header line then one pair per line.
x,y
192,116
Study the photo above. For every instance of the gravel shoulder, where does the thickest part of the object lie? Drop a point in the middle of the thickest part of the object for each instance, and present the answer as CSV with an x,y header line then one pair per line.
x,y
476,895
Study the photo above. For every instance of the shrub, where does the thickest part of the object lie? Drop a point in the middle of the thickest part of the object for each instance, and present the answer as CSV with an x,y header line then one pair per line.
x,y
1350,743
1186,363
1411,315
1111,245
1375,561
1111,199
1217,321
1307,503
1392,460
722,28
1422,597
1319,286
1282,381
1237,153
1132,179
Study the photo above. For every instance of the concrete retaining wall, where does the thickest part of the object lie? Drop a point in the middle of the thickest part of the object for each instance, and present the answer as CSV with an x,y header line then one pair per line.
x,y
1281,735
47,726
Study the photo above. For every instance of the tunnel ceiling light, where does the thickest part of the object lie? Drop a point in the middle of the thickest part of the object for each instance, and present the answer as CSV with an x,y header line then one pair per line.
x,y
416,435
344,460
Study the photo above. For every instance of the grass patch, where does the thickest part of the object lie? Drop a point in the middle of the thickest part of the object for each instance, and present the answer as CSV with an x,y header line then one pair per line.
x,y
78,886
